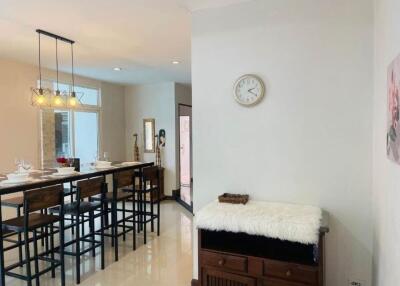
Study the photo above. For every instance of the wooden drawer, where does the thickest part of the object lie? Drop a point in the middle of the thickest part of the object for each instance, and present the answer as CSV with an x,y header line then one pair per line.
x,y
278,282
290,272
212,277
223,261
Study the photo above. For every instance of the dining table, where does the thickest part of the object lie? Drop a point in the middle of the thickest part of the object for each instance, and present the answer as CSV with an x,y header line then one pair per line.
x,y
48,177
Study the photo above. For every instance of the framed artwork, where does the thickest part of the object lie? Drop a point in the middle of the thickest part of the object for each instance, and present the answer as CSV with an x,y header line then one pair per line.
x,y
161,137
148,135
393,124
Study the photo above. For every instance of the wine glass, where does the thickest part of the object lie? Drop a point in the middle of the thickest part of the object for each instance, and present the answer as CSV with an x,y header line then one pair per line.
x,y
18,163
106,157
26,165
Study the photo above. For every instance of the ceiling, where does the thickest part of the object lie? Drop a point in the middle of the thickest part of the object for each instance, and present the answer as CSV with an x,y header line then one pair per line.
x,y
142,37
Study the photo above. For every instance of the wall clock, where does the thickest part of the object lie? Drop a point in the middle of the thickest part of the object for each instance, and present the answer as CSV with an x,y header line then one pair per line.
x,y
249,90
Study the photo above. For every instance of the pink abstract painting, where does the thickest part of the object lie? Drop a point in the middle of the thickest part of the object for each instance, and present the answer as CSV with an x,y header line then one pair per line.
x,y
393,124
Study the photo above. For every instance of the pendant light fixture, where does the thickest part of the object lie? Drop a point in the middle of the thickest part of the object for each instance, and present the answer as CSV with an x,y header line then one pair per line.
x,y
40,96
73,101
58,97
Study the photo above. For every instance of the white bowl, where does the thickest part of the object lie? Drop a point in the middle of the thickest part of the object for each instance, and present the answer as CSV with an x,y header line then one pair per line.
x,y
103,164
66,170
18,177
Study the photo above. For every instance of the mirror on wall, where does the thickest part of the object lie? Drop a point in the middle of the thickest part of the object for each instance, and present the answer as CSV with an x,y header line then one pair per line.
x,y
149,132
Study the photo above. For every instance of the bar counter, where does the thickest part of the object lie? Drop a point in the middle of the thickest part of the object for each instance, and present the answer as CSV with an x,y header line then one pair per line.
x,y
44,178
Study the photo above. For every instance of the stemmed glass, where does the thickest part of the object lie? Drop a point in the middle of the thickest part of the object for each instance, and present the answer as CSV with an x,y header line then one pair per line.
x,y
22,165
17,162
26,165
106,157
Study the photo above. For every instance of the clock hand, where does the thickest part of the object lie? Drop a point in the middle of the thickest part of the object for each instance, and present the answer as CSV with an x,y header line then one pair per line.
x,y
250,91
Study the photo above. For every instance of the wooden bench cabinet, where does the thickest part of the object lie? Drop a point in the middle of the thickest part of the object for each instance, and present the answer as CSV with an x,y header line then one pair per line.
x,y
239,259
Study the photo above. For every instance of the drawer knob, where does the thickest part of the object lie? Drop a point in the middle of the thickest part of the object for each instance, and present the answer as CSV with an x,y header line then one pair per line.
x,y
221,262
288,273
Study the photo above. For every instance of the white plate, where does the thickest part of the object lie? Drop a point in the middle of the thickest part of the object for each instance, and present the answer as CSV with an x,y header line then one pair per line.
x,y
63,174
8,182
130,163
102,168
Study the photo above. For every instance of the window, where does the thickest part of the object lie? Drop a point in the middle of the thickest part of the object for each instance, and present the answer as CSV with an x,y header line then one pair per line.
x,y
86,134
91,96
62,133
72,133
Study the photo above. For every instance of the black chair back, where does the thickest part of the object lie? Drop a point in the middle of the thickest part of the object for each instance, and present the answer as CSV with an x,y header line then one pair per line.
x,y
151,176
77,164
124,179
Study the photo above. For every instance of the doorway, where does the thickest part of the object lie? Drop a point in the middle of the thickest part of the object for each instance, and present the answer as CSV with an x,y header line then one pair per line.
x,y
185,156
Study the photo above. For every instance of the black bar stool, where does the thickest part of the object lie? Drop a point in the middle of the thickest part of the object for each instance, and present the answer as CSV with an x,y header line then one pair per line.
x,y
121,179
17,203
150,186
85,190
30,222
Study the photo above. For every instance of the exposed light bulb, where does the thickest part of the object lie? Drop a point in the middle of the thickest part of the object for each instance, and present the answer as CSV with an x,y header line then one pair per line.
x,y
57,101
72,101
40,99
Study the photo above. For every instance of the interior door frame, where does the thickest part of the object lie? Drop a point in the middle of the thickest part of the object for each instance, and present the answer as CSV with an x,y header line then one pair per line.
x,y
178,197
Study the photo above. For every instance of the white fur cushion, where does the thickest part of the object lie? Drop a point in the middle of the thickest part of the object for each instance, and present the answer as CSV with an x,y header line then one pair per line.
x,y
296,223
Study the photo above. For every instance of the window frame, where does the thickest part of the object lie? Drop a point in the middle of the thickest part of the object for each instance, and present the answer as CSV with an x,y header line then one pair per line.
x,y
81,108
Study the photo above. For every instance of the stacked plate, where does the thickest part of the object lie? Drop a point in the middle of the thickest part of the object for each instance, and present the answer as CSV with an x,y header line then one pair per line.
x,y
102,165
17,178
64,171
130,163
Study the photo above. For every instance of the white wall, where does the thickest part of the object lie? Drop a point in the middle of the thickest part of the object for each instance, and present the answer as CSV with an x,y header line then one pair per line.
x,y
158,101
19,121
152,101
310,140
386,186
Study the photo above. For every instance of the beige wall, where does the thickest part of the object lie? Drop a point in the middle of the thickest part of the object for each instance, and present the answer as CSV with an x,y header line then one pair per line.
x,y
113,121
19,121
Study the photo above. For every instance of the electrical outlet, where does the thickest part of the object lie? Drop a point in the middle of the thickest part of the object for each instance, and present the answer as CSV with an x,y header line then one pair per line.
x,y
356,282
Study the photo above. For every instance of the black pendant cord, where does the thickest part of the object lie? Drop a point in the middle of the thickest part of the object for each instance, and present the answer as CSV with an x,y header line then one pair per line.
x,y
40,66
57,61
73,75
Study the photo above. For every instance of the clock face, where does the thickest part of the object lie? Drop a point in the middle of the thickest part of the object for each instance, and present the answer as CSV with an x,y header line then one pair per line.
x,y
248,90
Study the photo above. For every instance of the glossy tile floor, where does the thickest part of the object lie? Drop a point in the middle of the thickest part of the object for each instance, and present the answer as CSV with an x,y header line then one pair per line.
x,y
165,260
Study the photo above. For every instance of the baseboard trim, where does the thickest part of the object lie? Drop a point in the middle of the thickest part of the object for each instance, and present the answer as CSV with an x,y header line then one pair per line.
x,y
195,282
176,193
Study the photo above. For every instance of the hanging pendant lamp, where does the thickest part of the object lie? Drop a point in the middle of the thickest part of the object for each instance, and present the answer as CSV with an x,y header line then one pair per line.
x,y
40,96
73,101
58,98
